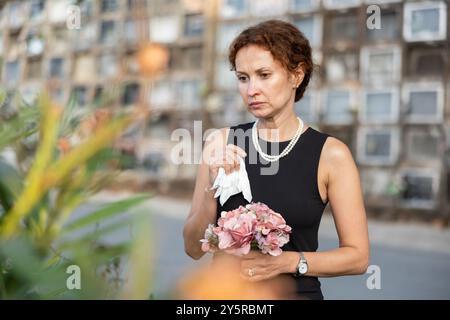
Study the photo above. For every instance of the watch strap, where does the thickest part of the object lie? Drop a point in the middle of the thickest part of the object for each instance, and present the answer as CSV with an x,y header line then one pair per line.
x,y
302,258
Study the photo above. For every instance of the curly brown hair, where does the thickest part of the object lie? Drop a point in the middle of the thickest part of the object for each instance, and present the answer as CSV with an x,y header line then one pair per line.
x,y
287,44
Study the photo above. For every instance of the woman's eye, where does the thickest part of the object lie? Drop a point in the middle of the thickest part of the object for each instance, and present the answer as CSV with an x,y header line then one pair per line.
x,y
265,75
241,78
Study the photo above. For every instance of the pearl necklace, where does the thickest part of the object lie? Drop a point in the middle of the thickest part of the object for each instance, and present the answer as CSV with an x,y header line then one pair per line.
x,y
286,150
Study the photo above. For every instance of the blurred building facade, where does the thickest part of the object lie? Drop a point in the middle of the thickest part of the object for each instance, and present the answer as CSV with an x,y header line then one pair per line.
x,y
384,92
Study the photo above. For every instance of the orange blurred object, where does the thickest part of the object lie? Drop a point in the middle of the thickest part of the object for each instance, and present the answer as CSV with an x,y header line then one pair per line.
x,y
221,280
152,59
102,116
64,145
94,121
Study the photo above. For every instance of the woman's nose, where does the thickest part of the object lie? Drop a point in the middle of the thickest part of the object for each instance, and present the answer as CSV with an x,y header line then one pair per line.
x,y
252,88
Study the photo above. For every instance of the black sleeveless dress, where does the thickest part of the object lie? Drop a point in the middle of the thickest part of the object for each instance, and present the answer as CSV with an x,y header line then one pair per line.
x,y
292,190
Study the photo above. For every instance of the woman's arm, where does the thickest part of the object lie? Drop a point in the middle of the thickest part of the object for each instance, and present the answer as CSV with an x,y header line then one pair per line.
x,y
202,213
216,154
347,205
346,200
204,205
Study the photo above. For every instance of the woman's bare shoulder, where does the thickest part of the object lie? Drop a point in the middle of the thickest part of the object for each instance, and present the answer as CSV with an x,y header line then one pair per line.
x,y
335,152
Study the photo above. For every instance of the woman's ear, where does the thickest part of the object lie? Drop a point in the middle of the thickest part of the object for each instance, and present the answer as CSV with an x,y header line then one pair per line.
x,y
299,75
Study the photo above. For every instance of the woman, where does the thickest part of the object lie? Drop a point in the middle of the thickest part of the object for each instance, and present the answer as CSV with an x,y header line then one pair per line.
x,y
273,65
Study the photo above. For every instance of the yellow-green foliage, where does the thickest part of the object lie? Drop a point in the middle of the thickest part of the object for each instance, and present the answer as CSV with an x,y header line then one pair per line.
x,y
36,204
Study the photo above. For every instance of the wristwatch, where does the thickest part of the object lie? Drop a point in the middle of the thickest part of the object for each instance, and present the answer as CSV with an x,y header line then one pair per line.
x,y
302,266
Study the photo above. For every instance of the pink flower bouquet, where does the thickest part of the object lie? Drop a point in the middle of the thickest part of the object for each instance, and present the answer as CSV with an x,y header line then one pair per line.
x,y
254,226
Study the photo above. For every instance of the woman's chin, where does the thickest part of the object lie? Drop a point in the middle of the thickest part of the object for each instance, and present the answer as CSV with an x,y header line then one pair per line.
x,y
259,113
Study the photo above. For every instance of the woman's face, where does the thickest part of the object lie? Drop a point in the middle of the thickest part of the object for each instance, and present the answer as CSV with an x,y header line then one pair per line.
x,y
265,85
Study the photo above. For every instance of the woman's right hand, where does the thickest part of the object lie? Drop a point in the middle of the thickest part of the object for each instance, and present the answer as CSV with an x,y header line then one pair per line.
x,y
226,158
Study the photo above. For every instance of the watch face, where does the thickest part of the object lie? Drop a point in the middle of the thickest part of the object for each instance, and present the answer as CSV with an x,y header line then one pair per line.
x,y
303,268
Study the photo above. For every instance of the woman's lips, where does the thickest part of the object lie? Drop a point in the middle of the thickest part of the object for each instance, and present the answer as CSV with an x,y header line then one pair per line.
x,y
256,105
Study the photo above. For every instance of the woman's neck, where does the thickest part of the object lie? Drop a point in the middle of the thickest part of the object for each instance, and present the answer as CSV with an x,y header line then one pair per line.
x,y
281,128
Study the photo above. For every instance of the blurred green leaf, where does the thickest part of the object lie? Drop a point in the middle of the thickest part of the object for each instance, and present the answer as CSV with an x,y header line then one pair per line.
x,y
21,125
99,232
10,185
27,266
106,212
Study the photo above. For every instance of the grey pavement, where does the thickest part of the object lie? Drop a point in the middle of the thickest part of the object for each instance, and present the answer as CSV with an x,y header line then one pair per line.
x,y
414,258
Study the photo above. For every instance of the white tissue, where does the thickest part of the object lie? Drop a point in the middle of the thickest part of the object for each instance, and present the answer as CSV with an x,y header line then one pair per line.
x,y
233,183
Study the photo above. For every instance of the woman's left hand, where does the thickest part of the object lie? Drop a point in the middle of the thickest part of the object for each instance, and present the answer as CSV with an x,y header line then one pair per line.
x,y
256,266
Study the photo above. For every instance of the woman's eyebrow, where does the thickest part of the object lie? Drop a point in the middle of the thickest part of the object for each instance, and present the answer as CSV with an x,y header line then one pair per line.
x,y
257,71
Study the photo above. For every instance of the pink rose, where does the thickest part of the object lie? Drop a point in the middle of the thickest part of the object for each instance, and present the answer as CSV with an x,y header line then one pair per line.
x,y
236,232
272,242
